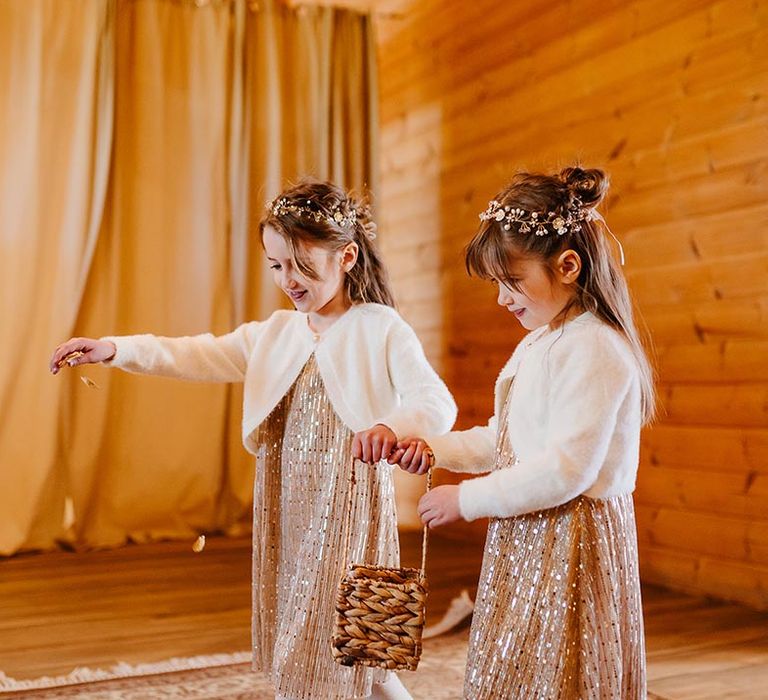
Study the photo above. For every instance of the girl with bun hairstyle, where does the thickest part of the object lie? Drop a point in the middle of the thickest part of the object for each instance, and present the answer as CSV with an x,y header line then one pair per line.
x,y
341,376
558,611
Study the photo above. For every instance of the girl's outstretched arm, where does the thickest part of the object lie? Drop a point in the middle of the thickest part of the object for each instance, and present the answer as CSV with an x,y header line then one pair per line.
x,y
204,358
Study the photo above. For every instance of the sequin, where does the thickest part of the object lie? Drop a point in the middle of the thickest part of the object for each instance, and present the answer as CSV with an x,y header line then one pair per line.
x,y
558,614
300,548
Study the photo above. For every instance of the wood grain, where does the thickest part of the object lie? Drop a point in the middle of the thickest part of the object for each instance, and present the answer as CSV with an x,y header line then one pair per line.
x,y
151,602
670,98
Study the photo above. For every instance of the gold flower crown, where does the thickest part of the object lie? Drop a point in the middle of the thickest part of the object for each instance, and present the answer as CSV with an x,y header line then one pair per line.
x,y
282,206
541,223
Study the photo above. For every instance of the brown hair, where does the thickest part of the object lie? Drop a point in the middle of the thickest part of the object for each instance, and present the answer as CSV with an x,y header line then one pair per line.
x,y
367,281
601,287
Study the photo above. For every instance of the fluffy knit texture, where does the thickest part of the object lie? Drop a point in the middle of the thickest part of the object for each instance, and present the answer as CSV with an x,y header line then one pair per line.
x,y
574,422
371,362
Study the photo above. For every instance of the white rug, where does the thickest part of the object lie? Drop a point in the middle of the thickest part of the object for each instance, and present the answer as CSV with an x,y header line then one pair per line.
x,y
226,677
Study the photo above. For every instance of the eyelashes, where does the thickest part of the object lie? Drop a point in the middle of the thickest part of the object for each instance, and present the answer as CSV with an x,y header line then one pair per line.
x,y
507,282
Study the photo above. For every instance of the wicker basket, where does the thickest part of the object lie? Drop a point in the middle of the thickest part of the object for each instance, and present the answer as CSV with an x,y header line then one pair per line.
x,y
380,614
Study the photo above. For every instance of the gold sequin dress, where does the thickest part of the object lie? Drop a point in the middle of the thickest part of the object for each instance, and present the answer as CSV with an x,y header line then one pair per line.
x,y
558,612
301,546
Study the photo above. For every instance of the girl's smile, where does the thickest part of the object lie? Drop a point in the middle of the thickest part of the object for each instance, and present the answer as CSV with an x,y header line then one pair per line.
x,y
296,295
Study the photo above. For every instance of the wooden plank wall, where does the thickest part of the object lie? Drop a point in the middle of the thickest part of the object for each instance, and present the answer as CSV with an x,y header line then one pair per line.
x,y
672,99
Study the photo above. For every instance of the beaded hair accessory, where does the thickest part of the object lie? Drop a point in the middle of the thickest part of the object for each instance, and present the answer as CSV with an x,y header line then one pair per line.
x,y
539,222
544,223
282,206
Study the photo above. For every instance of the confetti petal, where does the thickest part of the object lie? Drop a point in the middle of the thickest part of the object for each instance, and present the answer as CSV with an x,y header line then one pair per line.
x,y
69,357
199,544
89,382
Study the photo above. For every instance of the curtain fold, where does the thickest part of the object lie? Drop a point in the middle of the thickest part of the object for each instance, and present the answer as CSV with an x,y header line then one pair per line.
x,y
140,142
55,140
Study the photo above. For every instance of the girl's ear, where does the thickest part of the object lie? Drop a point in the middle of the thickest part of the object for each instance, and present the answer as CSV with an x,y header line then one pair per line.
x,y
568,266
349,256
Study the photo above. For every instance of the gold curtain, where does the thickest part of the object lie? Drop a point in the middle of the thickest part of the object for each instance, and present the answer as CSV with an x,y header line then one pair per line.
x,y
139,142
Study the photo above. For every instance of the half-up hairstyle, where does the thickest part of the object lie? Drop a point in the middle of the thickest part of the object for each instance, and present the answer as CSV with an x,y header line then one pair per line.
x,y
540,216
318,212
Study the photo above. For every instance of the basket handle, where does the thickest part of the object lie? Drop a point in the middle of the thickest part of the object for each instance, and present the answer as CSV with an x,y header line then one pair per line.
x,y
425,533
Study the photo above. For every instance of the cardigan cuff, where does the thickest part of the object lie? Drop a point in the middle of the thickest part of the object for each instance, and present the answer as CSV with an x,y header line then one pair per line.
x,y
446,454
123,354
399,424
474,497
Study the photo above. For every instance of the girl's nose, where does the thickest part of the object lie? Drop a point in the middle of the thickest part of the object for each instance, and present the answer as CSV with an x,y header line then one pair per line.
x,y
288,282
504,298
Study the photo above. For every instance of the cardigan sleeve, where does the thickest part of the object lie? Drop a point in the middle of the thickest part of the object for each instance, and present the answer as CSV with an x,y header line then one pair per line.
x,y
470,450
426,405
202,358
590,379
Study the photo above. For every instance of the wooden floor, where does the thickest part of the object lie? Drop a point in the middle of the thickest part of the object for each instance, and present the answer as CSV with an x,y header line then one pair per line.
x,y
147,603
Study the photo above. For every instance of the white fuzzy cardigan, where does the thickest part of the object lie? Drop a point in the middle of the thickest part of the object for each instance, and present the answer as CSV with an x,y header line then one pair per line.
x,y
371,362
574,422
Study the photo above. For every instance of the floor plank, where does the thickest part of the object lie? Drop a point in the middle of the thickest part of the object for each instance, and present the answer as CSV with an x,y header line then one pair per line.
x,y
151,602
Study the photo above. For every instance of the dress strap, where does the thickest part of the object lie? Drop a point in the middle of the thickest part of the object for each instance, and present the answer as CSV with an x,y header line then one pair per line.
x,y
505,452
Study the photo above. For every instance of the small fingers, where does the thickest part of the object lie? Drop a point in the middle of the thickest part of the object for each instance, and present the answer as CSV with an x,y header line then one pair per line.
x,y
436,522
424,505
427,456
76,358
357,449
376,451
57,357
414,466
431,519
365,444
422,459
405,462
416,459
65,353
388,447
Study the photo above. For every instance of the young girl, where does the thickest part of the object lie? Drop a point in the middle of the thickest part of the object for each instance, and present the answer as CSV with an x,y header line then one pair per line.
x,y
342,375
558,611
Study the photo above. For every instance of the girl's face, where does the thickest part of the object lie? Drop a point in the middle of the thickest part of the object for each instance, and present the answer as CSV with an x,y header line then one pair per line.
x,y
536,295
312,296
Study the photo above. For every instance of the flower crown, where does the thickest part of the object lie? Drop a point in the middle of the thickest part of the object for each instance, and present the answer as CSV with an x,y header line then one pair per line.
x,y
540,223
282,206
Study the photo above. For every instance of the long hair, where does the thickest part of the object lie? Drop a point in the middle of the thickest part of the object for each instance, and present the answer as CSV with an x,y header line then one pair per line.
x,y
367,281
600,288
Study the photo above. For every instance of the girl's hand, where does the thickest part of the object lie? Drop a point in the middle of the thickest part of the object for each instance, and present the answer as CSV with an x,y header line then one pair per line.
x,y
413,455
92,351
440,506
373,444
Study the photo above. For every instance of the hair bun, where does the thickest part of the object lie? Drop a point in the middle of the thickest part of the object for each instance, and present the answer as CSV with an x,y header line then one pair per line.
x,y
588,185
